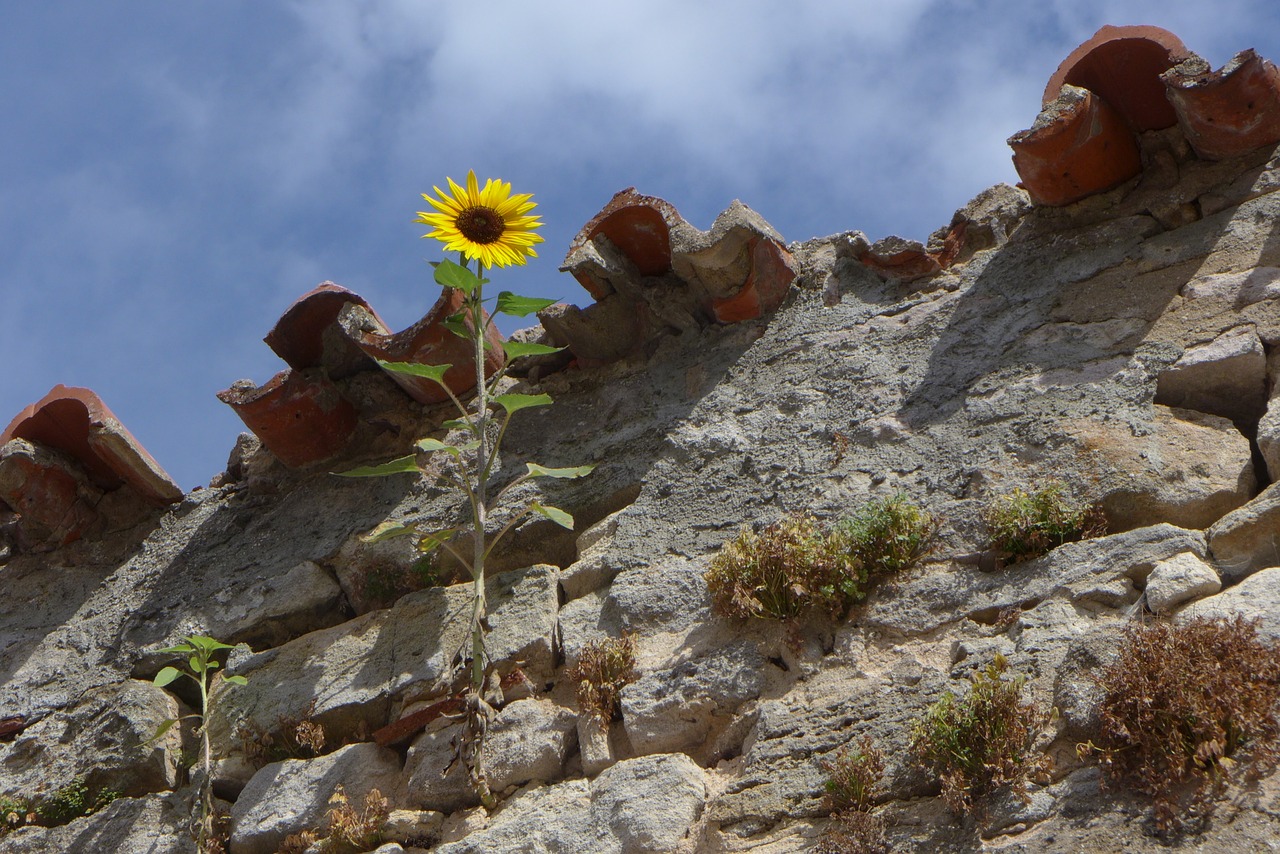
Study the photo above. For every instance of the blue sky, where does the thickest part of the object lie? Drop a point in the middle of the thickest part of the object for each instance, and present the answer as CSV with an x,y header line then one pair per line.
x,y
174,174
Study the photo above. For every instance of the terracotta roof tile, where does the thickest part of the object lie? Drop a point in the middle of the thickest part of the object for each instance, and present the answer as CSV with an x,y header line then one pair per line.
x,y
300,416
76,422
1078,146
1123,65
1227,112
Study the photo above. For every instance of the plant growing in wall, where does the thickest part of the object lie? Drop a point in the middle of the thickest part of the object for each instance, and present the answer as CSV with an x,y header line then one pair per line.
x,y
488,227
201,663
982,742
1186,708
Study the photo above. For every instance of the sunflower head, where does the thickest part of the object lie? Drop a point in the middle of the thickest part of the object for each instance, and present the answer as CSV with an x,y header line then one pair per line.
x,y
489,224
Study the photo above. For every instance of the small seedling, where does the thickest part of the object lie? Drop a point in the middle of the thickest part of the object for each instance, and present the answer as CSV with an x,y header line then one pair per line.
x,y
603,669
201,664
980,743
1187,707
1025,525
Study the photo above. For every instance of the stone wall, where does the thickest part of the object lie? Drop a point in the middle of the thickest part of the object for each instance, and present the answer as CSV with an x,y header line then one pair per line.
x,y
1123,342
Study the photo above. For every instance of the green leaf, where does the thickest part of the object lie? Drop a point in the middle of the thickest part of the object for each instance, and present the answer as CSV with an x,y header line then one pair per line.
x,y
183,648
428,446
236,680
456,323
516,349
208,644
388,531
431,372
518,306
536,470
397,466
452,275
555,514
165,676
456,424
428,543
513,403
164,727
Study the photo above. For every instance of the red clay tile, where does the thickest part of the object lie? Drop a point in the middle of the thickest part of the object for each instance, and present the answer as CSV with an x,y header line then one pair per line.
x,y
427,342
639,226
767,284
1123,65
300,416
77,422
299,336
1078,146
49,491
1228,112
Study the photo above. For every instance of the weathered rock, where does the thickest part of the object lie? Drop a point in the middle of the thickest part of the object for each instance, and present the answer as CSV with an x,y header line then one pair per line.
x,y
1226,376
102,741
674,709
669,596
1180,579
1245,540
595,566
1256,597
352,671
584,621
649,804
273,612
290,796
1098,574
1190,470
528,740
418,827
1269,438
152,823
539,818
640,806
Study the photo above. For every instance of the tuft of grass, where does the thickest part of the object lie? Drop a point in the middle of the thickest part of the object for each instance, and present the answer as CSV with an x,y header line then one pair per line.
x,y
602,670
889,535
1185,708
1025,525
789,569
981,743
852,784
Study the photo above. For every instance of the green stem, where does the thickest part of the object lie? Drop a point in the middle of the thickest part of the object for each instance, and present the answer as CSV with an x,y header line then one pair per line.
x,y
478,498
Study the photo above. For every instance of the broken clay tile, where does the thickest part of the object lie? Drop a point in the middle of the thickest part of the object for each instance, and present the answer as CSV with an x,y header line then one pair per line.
x,y
77,422
300,416
1228,112
638,226
427,342
1123,66
51,493
900,259
1078,146
769,280
305,335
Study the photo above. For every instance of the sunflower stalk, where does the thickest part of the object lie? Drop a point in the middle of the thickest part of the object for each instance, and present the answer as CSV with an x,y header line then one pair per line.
x,y
489,227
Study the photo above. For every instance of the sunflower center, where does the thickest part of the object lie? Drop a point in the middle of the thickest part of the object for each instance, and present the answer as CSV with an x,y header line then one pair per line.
x,y
481,225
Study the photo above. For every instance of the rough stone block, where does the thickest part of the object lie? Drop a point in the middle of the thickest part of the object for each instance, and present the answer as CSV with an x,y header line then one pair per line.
x,y
293,795
1180,579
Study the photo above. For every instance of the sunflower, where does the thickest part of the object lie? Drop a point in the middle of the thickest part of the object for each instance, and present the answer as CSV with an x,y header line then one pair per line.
x,y
490,224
